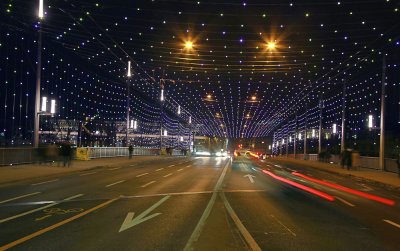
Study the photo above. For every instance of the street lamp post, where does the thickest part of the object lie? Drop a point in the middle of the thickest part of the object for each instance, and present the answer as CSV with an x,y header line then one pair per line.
x,y
342,143
383,108
321,107
128,99
38,77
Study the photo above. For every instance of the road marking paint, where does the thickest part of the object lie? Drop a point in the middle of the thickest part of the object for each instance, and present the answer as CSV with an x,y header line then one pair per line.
x,y
133,165
180,169
87,173
44,182
200,225
38,209
151,182
345,201
19,197
140,175
171,165
245,233
115,183
165,176
59,224
188,165
283,225
159,169
115,168
392,223
367,188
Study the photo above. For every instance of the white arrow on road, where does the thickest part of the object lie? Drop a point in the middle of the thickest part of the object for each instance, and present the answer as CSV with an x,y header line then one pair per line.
x,y
130,221
250,177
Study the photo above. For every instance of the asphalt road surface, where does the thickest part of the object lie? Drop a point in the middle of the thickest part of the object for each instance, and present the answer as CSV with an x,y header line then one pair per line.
x,y
201,203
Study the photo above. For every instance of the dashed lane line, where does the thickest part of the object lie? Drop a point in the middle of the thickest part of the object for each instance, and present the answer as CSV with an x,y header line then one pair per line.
x,y
44,182
392,223
345,202
115,168
39,209
180,169
165,176
115,183
151,182
19,197
140,175
84,174
159,169
188,165
171,165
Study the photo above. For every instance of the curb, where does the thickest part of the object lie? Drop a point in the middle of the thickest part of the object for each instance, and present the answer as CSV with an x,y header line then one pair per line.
x,y
355,177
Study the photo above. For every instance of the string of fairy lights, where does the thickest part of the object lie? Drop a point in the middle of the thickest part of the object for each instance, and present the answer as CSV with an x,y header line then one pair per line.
x,y
245,69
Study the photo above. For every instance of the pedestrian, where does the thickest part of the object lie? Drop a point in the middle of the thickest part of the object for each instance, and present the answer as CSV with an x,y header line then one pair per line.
x,y
66,154
130,149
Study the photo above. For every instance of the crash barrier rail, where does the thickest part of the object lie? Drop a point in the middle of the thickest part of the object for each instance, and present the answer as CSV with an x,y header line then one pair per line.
x,y
364,161
26,155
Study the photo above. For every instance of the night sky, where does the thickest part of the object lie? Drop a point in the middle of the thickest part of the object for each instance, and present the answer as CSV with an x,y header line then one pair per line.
x,y
238,68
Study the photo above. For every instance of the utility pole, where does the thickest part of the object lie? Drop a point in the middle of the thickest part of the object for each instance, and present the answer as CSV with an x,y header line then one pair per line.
x,y
38,79
342,143
321,108
383,108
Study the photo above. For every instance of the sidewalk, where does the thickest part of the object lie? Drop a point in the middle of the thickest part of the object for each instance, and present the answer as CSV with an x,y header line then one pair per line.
x,y
9,174
386,179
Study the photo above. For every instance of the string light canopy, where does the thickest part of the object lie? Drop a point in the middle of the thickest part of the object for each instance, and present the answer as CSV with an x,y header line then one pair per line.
x,y
259,62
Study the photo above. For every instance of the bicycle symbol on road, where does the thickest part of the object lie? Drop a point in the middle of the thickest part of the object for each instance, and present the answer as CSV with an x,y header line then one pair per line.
x,y
57,211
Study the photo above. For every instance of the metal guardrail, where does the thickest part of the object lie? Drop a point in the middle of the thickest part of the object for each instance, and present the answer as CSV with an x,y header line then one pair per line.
x,y
18,156
365,161
108,152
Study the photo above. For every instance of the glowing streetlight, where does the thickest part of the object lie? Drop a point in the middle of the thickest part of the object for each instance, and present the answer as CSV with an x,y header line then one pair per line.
x,y
40,12
129,74
334,128
189,45
271,46
370,119
179,109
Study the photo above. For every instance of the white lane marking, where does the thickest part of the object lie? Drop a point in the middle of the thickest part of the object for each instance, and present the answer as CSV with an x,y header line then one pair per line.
x,y
131,222
180,169
165,176
133,165
115,168
159,169
245,233
171,165
115,183
200,225
392,223
151,182
345,201
19,197
366,188
38,209
44,182
188,165
283,225
87,173
140,175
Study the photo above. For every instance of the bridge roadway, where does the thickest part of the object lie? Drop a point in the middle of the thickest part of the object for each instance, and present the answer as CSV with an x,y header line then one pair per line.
x,y
200,203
